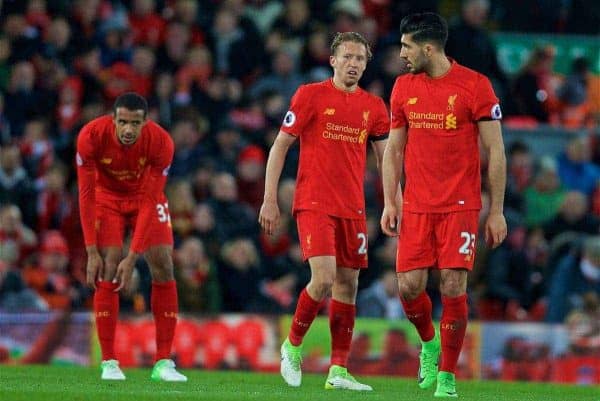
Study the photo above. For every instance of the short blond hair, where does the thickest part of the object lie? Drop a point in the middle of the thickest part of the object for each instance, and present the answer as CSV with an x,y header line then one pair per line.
x,y
355,37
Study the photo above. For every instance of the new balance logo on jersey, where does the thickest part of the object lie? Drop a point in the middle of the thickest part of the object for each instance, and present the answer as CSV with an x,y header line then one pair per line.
x,y
412,100
329,112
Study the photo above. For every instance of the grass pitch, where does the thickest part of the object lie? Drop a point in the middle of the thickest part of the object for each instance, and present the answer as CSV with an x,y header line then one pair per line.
x,y
56,383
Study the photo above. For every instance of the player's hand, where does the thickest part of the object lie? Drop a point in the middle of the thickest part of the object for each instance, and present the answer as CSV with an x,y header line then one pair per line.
x,y
269,217
390,221
495,229
94,269
124,273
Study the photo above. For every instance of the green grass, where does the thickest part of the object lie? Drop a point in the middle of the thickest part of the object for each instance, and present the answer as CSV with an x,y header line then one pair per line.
x,y
50,383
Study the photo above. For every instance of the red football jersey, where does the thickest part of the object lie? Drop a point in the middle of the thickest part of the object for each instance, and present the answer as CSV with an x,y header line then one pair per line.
x,y
441,157
107,168
333,127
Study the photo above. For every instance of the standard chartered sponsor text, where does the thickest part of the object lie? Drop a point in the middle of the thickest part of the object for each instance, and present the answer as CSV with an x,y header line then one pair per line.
x,y
427,120
342,128
340,137
336,132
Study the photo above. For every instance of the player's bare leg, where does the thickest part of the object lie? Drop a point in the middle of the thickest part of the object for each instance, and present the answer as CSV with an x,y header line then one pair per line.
x,y
164,308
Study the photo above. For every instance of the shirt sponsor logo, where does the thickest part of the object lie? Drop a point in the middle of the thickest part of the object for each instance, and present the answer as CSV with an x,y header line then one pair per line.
x,y
289,119
450,121
329,112
432,120
344,133
496,112
412,100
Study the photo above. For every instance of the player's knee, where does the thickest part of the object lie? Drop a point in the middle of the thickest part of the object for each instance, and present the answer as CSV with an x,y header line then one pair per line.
x,y
110,268
321,287
410,289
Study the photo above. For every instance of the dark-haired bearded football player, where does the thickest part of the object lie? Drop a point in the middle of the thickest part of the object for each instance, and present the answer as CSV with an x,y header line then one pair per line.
x,y
335,120
439,113
122,165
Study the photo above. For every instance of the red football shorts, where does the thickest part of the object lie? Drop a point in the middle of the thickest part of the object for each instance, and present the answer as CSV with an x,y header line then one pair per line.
x,y
442,240
114,216
325,235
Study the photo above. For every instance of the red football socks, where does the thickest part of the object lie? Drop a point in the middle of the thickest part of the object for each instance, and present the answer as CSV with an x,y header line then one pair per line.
x,y
452,329
418,311
341,325
306,311
163,301
106,310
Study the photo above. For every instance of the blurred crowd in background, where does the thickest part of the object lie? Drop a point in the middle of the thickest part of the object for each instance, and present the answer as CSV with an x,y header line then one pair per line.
x,y
219,75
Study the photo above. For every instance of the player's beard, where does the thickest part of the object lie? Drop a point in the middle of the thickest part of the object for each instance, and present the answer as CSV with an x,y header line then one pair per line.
x,y
419,64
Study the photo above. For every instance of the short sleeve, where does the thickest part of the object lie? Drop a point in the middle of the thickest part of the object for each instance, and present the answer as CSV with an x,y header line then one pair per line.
x,y
398,119
485,103
299,113
381,120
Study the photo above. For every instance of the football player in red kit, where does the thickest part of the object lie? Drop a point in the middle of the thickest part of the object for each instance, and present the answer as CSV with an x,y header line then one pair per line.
x,y
335,120
123,161
439,113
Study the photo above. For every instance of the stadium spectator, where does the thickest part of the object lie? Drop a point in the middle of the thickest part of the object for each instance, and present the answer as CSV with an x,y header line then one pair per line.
x,y
15,296
239,275
543,197
181,208
573,96
439,205
51,277
329,204
147,26
576,274
576,170
197,283
380,300
16,186
470,44
17,240
233,219
534,87
519,175
4,62
515,275
283,78
250,173
574,215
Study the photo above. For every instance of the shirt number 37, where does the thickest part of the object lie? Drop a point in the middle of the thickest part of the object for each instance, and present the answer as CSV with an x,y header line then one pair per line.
x,y
163,212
